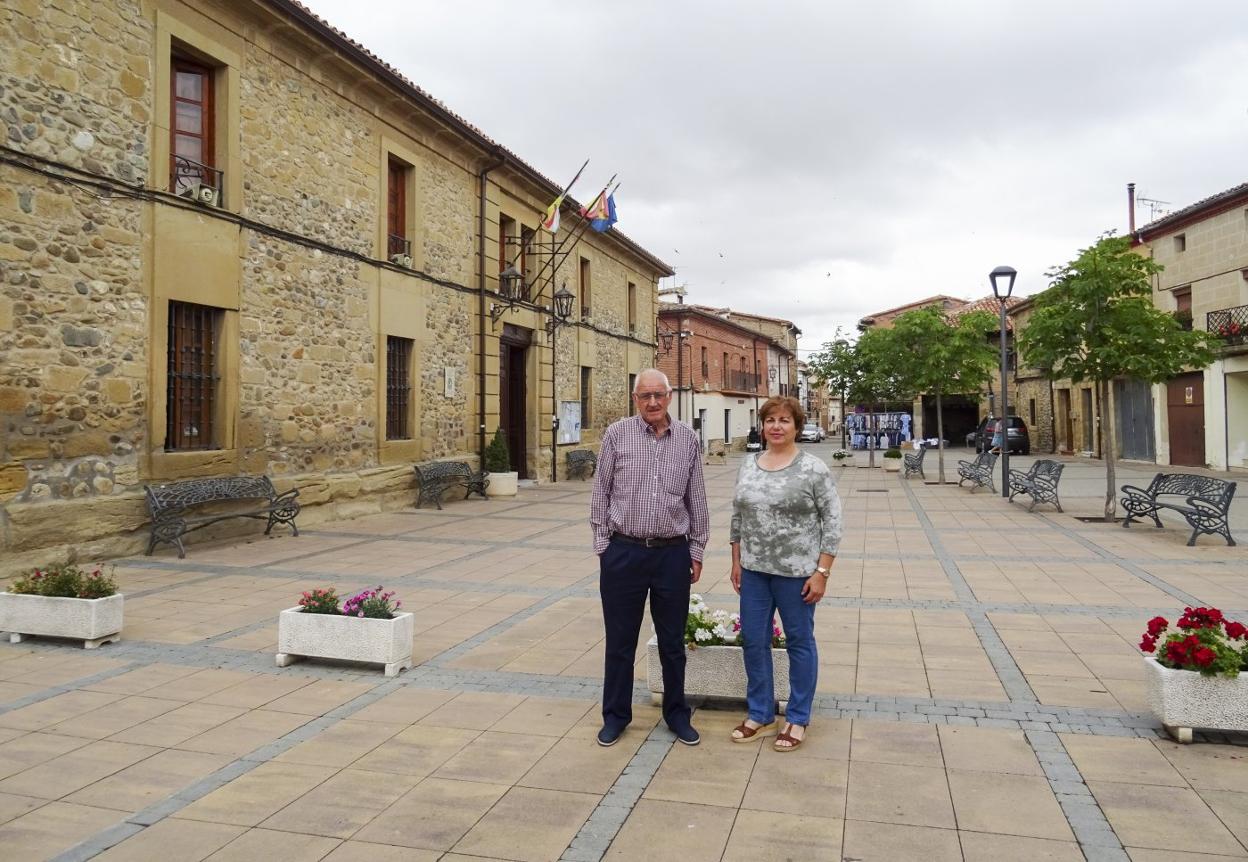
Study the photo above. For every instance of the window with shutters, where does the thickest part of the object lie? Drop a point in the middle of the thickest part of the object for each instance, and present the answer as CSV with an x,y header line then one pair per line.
x,y
398,240
192,379
632,308
587,400
584,288
192,145
398,388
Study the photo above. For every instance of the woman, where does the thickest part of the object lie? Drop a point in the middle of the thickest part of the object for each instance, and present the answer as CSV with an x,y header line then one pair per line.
x,y
786,526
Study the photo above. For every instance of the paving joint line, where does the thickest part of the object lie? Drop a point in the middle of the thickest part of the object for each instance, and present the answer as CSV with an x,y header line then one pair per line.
x,y
1082,811
598,831
65,687
158,811
1008,674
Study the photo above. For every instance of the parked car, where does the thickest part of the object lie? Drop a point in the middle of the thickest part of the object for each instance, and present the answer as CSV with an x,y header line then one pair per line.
x,y
810,433
1016,432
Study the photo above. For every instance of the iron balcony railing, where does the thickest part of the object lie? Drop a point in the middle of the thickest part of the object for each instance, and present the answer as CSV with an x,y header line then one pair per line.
x,y
741,381
187,173
398,245
1230,323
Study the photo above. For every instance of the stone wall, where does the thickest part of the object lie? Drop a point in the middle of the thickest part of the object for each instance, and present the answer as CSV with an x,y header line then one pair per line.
x,y
85,270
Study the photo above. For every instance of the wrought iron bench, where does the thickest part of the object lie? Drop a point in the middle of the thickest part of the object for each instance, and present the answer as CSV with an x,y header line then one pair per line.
x,y
1203,500
978,472
914,464
168,505
582,462
438,477
1039,483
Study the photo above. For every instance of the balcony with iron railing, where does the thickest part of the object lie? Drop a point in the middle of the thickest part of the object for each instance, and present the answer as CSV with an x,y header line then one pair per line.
x,y
738,381
185,174
1231,324
398,245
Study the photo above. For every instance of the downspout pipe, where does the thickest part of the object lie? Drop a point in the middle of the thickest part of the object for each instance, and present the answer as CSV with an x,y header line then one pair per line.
x,y
496,162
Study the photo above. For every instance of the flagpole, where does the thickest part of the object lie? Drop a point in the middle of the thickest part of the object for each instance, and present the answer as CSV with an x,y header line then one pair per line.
x,y
555,250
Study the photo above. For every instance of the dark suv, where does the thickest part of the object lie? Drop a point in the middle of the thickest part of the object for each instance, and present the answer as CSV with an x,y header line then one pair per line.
x,y
1016,432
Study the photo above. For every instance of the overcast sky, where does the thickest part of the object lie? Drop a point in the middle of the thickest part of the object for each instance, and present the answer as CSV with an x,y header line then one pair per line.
x,y
819,161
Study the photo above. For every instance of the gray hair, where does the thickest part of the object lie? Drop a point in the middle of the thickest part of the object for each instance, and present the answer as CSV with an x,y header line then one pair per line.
x,y
667,386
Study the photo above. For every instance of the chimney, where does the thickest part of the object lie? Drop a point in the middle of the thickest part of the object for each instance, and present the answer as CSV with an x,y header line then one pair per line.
x,y
1131,209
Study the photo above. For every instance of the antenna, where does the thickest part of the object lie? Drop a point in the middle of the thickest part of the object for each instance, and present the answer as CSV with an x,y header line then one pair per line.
x,y
1155,207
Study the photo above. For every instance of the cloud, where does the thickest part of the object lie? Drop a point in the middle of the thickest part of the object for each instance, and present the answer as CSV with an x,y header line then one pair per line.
x,y
845,158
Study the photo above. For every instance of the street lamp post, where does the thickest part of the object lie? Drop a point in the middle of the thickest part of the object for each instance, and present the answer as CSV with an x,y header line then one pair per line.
x,y
562,309
843,345
1002,279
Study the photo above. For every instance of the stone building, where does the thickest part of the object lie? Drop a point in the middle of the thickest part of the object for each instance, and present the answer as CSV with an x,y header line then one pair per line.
x,y
1201,417
718,366
232,241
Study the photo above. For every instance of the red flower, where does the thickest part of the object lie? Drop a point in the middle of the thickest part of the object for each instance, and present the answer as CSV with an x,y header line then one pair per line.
x,y
1236,631
1156,626
1176,652
1149,643
1200,618
1204,656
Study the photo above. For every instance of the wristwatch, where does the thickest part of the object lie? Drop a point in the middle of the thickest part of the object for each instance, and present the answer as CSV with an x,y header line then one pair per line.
x,y
821,570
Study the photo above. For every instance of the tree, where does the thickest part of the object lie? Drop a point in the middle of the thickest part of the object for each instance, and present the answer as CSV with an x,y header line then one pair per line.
x,y
939,355
1097,322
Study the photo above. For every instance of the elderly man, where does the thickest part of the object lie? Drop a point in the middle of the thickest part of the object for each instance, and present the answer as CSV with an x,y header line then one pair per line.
x,y
650,525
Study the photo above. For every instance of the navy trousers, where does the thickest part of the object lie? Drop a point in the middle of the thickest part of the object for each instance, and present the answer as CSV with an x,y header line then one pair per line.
x,y
627,572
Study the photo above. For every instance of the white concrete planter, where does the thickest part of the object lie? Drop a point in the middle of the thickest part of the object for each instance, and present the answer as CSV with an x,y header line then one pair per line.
x,y
1185,699
387,642
716,671
502,484
892,465
93,621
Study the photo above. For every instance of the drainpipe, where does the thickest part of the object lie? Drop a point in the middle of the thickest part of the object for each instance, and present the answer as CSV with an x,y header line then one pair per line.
x,y
497,162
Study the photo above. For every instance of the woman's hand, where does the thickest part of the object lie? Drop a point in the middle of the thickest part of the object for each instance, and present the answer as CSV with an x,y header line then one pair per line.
x,y
814,588
736,577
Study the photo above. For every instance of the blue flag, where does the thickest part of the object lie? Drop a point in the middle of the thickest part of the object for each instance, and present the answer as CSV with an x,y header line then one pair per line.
x,y
603,221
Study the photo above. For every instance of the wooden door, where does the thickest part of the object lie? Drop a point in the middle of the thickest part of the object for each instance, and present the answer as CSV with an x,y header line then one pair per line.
x,y
1066,422
1185,409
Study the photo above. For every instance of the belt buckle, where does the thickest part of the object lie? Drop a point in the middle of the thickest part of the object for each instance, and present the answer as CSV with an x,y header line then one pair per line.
x,y
649,542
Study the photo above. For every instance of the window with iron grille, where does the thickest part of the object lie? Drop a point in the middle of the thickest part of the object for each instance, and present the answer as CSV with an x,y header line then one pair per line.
x,y
586,396
398,388
191,379
191,146
632,386
584,288
397,177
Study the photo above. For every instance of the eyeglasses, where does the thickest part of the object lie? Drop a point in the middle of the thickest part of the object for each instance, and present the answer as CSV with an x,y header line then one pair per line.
x,y
650,396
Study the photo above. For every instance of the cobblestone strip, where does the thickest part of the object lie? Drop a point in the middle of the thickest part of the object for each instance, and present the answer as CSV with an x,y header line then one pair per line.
x,y
597,833
81,682
1185,597
1011,678
1096,837
158,811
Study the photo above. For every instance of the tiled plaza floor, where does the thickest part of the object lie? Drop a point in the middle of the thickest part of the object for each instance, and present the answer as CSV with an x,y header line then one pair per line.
x,y
980,698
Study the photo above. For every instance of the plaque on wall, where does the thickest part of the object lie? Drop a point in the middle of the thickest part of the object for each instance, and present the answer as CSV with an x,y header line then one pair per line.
x,y
569,422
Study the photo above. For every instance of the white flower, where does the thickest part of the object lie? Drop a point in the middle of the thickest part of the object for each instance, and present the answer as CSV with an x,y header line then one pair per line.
x,y
702,635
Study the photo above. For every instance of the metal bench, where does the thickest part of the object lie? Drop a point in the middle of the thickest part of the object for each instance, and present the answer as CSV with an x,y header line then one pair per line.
x,y
582,462
978,472
914,464
168,505
438,477
1203,500
1039,483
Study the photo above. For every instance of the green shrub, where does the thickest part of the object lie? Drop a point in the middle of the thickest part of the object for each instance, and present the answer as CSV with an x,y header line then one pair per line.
x,y
497,459
65,581
892,453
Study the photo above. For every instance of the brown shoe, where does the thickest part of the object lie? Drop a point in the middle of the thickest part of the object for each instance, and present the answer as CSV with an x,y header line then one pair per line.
x,y
787,742
744,733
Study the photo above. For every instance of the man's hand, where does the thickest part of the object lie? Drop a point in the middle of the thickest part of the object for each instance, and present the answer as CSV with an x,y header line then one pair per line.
x,y
695,571
736,577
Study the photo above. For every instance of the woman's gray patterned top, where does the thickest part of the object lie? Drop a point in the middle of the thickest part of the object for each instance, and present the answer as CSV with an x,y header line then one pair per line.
x,y
785,518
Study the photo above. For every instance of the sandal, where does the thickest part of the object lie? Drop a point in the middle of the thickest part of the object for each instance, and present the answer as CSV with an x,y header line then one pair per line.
x,y
791,743
748,733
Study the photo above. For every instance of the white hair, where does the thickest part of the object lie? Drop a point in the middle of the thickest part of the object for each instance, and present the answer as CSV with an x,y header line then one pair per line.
x,y
654,372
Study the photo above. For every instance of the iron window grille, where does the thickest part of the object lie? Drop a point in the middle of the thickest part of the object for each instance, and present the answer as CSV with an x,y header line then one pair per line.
x,y
398,388
191,378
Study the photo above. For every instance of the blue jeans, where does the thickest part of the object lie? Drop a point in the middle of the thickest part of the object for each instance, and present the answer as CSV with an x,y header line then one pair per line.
x,y
761,596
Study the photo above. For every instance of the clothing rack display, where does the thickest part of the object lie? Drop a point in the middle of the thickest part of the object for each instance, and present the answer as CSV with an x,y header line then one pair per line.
x,y
878,430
